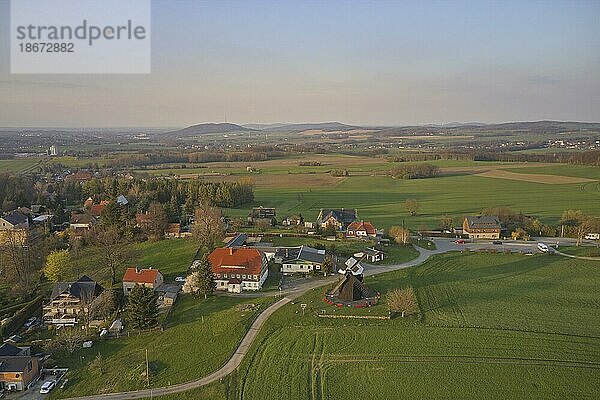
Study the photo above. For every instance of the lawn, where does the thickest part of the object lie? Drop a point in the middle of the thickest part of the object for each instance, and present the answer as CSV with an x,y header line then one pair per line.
x,y
492,326
200,337
582,251
18,165
172,257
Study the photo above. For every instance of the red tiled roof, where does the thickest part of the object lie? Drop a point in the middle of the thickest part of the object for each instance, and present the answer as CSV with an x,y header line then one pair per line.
x,y
239,261
96,209
140,275
173,228
362,226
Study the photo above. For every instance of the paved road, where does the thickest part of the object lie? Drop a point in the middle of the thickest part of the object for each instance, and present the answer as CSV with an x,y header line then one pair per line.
x,y
442,246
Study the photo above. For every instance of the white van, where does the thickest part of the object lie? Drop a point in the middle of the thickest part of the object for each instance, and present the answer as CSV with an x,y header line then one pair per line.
x,y
592,236
543,247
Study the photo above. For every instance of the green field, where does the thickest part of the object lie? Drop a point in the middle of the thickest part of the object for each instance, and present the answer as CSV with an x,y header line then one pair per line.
x,y
18,165
492,326
200,336
582,251
380,199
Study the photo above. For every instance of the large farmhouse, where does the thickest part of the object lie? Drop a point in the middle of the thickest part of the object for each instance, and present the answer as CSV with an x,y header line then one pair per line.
x,y
301,259
482,227
340,219
238,269
262,214
69,300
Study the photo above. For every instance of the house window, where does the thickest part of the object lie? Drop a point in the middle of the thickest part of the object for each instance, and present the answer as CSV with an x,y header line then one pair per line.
x,y
243,276
224,275
238,276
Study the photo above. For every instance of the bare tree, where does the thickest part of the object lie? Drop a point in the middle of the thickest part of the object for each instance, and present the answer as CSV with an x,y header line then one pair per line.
x,y
400,235
157,222
111,249
208,227
402,301
67,339
19,260
412,206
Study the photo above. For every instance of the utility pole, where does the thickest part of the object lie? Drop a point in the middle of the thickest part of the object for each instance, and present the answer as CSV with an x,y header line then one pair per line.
x,y
147,370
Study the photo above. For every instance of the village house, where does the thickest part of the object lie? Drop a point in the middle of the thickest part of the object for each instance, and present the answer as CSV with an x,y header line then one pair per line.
x,y
373,255
18,369
482,227
173,231
339,219
292,220
14,226
262,214
70,300
301,259
238,269
81,223
361,229
148,277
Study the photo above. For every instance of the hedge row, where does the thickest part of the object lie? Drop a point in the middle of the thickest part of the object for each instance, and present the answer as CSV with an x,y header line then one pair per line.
x,y
16,321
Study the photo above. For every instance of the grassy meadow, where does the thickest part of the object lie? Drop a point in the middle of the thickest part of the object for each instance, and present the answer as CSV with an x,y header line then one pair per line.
x,y
491,326
200,337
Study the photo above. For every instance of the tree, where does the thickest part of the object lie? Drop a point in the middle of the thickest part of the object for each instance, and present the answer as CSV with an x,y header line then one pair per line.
x,y
208,228
19,260
446,223
57,265
157,222
519,233
327,266
192,283
111,249
402,301
206,280
142,311
105,305
67,339
412,206
400,235
112,214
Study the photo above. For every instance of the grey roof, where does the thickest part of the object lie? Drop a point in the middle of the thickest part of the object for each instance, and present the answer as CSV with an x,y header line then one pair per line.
x,y
371,251
342,215
15,218
80,288
14,364
122,200
483,222
237,241
168,288
7,349
262,212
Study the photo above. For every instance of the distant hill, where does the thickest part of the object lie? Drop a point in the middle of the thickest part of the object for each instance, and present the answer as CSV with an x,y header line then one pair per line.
x,y
208,128
325,126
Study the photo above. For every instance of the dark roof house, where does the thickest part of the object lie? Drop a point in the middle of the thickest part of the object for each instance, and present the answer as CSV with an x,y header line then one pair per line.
x,y
340,217
84,288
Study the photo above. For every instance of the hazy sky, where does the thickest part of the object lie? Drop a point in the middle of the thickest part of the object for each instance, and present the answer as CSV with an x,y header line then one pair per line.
x,y
376,62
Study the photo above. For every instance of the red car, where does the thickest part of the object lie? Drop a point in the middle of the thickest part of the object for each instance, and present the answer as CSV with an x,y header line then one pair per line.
x,y
460,241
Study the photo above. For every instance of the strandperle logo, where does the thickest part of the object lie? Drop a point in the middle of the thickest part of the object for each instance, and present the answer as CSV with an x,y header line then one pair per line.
x,y
80,36
85,31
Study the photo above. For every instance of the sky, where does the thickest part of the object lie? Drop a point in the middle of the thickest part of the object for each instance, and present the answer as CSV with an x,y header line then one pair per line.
x,y
357,62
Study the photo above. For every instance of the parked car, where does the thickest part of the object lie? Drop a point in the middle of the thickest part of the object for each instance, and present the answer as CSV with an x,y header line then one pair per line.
x,y
180,279
592,236
460,241
47,387
543,247
497,242
30,322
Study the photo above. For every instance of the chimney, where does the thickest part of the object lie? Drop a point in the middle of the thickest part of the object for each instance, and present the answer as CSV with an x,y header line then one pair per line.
x,y
137,270
231,251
